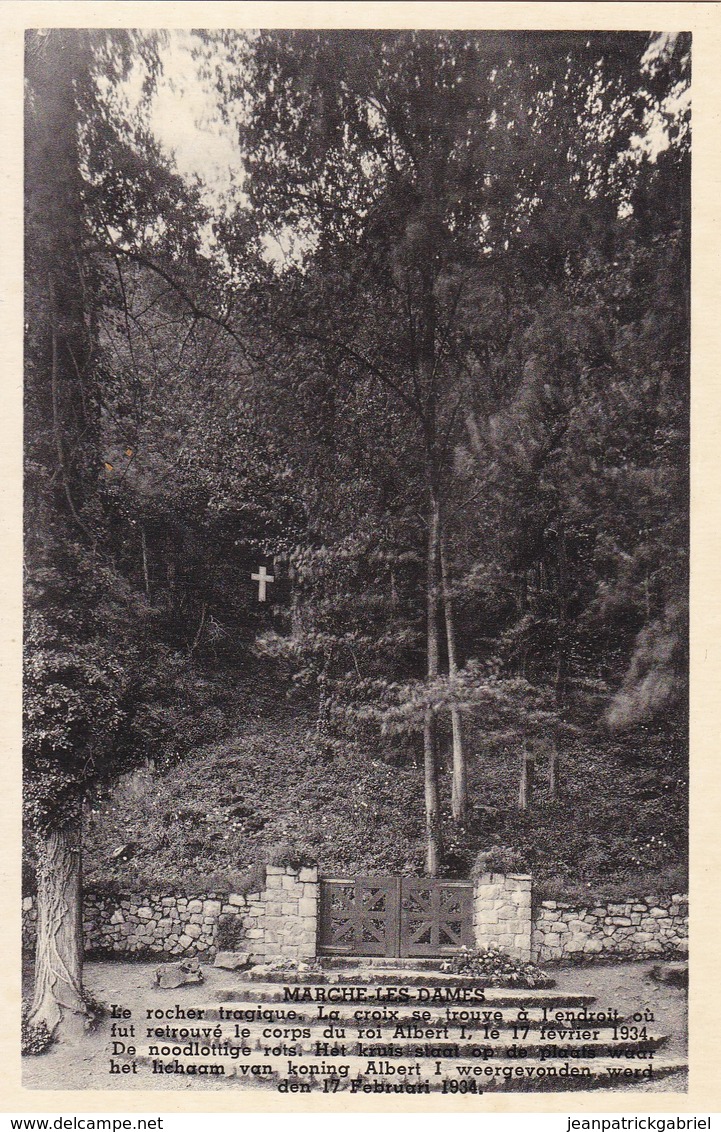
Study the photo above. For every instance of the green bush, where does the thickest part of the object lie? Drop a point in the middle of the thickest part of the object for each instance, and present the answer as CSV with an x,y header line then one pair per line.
x,y
250,880
629,884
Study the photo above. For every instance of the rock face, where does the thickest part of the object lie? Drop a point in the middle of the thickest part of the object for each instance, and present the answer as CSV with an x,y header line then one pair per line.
x,y
232,960
171,975
673,974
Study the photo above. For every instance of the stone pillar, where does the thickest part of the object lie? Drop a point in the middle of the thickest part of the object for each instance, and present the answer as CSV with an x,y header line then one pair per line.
x,y
272,899
502,913
254,926
291,912
308,913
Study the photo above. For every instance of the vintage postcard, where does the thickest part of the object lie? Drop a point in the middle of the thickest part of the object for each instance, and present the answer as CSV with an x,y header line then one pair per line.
x,y
367,464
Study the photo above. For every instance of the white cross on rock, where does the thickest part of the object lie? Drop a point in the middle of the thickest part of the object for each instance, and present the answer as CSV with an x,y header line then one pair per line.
x,y
262,578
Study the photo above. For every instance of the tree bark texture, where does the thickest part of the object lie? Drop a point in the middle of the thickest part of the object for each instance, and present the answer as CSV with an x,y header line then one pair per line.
x,y
459,784
554,788
62,430
562,666
434,846
58,999
525,791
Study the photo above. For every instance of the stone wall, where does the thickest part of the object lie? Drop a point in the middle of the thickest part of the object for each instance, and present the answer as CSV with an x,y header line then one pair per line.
x,y
647,926
502,913
279,922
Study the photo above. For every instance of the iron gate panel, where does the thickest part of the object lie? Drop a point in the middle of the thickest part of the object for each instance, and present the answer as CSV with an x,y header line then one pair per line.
x,y
395,916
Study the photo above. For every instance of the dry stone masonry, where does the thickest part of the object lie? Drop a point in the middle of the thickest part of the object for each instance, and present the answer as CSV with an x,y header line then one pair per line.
x,y
280,922
277,923
648,926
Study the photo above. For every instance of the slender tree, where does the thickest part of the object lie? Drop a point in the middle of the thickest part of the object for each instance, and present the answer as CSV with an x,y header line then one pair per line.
x,y
459,782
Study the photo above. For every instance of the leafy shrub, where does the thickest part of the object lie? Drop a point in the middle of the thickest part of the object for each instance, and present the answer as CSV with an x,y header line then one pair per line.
x,y
35,1038
250,880
97,1010
496,969
497,859
672,879
287,855
231,933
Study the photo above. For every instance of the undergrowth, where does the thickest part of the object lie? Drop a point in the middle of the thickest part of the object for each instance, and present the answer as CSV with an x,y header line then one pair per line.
x,y
273,793
35,1037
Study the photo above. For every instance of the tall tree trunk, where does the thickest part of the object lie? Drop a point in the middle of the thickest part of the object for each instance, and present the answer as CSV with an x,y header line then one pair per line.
x,y
430,174
64,412
58,997
144,552
525,790
434,844
562,663
199,631
554,786
562,644
459,785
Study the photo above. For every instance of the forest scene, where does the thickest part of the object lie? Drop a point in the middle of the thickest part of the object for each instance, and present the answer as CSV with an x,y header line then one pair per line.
x,y
356,463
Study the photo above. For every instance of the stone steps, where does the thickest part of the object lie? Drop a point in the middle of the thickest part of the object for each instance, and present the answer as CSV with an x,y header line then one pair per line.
x,y
334,962
397,976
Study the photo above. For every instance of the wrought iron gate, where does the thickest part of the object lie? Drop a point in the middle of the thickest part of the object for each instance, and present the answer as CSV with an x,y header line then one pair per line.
x,y
395,916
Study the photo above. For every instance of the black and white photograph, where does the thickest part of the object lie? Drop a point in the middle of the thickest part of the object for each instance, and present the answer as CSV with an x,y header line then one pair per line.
x,y
356,563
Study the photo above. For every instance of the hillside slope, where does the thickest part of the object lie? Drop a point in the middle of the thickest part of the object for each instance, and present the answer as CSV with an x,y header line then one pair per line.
x,y
270,788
